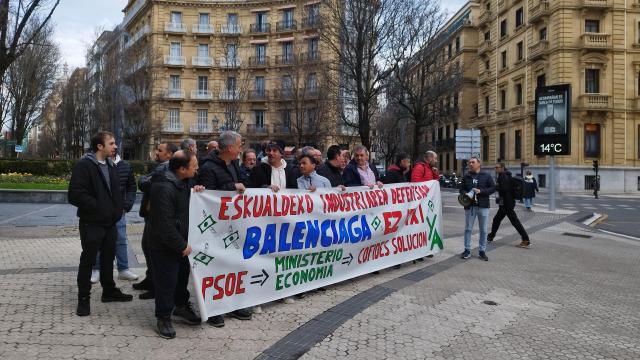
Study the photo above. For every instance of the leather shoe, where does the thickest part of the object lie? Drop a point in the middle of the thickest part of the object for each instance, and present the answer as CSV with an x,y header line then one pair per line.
x,y
116,295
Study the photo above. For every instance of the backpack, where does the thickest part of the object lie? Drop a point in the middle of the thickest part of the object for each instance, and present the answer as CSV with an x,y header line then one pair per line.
x,y
517,187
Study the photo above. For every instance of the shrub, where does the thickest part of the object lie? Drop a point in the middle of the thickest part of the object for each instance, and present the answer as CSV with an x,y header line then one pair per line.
x,y
59,167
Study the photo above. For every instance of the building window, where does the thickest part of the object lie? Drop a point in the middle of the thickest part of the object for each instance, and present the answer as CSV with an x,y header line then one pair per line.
x,y
502,146
519,17
175,49
503,56
440,133
487,36
455,101
476,112
261,21
232,21
174,118
287,18
592,140
176,17
592,81
518,94
261,54
231,84
259,118
485,148
286,118
541,80
174,82
486,105
312,47
448,161
447,132
458,44
542,34
203,119
312,83
520,48
592,26
503,99
487,64
203,19
287,51
518,144
503,28
589,182
203,50
203,84
259,86
542,180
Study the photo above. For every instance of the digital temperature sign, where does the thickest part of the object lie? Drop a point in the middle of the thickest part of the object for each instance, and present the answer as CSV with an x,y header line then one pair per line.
x,y
553,120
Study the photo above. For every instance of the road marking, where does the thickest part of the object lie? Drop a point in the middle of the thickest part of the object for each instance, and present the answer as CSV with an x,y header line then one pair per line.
x,y
27,214
622,235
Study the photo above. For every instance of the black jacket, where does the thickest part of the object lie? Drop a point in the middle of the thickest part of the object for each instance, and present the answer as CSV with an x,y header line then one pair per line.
x,y
245,172
504,187
482,181
169,213
351,177
214,174
530,188
88,192
144,183
394,175
331,172
127,184
261,176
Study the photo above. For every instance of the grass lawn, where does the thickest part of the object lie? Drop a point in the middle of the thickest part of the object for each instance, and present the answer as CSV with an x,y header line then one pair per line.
x,y
34,186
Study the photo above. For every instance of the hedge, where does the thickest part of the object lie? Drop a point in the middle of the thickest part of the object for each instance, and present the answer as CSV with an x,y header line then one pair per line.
x,y
59,167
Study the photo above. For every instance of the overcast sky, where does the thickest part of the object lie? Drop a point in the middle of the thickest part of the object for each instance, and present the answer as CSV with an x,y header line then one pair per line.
x,y
76,22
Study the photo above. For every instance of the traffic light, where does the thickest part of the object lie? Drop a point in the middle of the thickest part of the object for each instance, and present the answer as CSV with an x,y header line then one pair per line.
x,y
595,166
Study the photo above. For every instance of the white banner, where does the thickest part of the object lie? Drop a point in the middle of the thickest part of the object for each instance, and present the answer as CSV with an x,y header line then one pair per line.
x,y
261,246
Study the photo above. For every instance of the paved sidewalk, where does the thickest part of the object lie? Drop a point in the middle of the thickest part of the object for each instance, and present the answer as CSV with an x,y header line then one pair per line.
x,y
568,297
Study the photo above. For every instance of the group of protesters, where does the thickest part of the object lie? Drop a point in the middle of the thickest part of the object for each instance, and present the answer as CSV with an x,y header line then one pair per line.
x,y
103,189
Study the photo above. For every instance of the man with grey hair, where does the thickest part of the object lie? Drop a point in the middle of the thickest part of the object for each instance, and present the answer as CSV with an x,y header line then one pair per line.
x,y
359,172
189,144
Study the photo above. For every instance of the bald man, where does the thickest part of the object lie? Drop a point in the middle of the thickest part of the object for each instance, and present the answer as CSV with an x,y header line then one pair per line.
x,y
211,146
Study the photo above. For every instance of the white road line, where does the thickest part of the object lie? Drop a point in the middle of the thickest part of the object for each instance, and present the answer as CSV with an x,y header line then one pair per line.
x,y
622,235
27,214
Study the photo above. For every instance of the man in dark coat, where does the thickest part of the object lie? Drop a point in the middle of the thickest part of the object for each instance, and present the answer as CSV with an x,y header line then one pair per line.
x,y
249,160
359,172
95,190
506,205
482,186
170,194
331,167
397,172
273,172
164,152
221,171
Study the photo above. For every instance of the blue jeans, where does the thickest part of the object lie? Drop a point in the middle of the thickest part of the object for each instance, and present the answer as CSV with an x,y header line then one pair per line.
x,y
483,219
528,202
122,258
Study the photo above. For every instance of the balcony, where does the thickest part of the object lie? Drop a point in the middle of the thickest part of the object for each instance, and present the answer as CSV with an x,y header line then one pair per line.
x,y
283,94
201,129
229,63
597,4
231,29
174,94
173,128
257,129
201,61
258,95
175,28
503,6
309,58
230,95
502,115
484,47
259,61
202,29
201,95
517,112
264,28
538,11
597,102
485,17
137,36
283,130
171,60
484,77
285,26
312,22
538,50
596,41
286,60
311,93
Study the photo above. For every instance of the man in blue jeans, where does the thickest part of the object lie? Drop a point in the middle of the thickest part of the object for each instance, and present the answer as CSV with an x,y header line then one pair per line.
x,y
128,190
483,186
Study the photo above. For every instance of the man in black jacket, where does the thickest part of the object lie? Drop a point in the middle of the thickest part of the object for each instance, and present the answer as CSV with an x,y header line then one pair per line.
x,y
506,206
220,171
274,173
397,172
482,186
331,168
164,152
169,246
359,171
95,190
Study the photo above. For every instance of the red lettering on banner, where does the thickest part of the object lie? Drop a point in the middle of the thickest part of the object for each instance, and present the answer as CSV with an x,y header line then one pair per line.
x,y
231,285
391,221
206,283
222,215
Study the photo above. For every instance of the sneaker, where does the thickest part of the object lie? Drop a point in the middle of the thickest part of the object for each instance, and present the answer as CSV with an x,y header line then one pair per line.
x,y
165,328
84,306
482,255
127,275
147,295
116,295
257,309
465,254
216,321
288,300
525,244
242,314
95,276
490,237
142,285
186,313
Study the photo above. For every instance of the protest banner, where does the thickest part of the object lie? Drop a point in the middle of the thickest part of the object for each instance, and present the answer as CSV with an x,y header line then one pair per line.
x,y
261,246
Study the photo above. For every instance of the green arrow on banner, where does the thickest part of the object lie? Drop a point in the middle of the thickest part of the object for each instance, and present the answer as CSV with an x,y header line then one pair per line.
x,y
206,224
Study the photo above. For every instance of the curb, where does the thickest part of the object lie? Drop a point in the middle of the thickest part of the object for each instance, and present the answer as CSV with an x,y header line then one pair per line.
x,y
595,219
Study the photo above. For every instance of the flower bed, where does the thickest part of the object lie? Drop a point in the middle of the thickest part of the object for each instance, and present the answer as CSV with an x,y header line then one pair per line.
x,y
15,180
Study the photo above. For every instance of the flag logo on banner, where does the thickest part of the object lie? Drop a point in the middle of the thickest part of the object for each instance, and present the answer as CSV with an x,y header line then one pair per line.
x,y
430,205
203,258
206,224
231,239
376,223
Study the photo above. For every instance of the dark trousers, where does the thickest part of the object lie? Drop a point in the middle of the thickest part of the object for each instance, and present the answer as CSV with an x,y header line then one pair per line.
x,y
146,235
511,214
93,239
171,271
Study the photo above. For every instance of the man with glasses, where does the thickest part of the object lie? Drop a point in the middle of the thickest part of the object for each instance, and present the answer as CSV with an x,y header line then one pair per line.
x,y
481,185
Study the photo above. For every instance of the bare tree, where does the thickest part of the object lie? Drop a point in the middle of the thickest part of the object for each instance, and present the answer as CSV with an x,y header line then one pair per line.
x,y
30,79
22,22
71,119
365,38
392,131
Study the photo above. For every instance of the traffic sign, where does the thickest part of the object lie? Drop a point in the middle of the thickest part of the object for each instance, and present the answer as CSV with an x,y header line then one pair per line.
x,y
467,143
18,148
